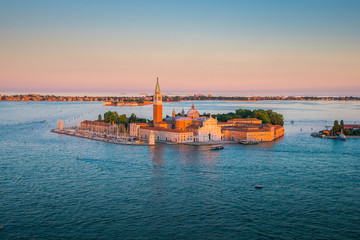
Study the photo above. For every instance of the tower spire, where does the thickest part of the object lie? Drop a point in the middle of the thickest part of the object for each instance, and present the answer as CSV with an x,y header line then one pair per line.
x,y
157,88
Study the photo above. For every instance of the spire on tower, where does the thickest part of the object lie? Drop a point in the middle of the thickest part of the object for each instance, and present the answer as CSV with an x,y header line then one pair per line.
x,y
157,88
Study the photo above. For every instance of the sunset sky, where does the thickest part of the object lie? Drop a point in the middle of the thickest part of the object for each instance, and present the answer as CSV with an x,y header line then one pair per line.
x,y
241,47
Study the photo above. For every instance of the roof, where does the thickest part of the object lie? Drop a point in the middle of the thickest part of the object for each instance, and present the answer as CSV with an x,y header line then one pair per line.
x,y
351,126
224,124
261,128
97,123
200,119
244,119
157,88
192,127
164,129
183,119
142,124
170,118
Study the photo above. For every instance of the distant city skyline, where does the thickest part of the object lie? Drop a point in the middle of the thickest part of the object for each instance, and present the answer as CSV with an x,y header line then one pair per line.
x,y
210,47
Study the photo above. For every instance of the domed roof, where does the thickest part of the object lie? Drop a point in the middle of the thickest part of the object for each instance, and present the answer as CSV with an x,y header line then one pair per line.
x,y
193,113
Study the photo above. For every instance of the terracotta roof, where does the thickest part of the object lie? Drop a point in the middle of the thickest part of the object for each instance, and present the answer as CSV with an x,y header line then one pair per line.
x,y
351,126
244,119
97,123
247,129
142,124
162,122
164,129
225,123
192,127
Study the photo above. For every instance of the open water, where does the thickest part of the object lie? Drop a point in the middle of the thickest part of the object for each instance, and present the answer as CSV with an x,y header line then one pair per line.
x,y
311,186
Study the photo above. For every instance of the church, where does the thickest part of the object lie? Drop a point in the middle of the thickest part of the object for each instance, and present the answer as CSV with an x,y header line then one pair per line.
x,y
177,129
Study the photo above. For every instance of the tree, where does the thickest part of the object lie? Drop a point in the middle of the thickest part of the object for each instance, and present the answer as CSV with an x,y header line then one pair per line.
x,y
276,118
122,119
114,117
107,116
336,127
262,115
244,113
342,124
132,118
99,118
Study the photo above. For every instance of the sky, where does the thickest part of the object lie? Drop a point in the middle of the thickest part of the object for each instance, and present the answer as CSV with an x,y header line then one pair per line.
x,y
274,47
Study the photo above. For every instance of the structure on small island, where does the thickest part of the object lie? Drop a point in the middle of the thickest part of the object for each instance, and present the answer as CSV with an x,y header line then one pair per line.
x,y
177,129
190,128
339,131
195,128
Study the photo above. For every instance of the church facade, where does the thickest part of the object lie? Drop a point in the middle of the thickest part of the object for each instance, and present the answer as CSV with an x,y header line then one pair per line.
x,y
177,129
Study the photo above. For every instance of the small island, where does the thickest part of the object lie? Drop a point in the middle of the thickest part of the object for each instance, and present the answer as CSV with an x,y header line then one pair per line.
x,y
242,126
340,131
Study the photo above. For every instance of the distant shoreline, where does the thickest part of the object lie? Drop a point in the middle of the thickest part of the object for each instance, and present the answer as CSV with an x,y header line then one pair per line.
x,y
166,98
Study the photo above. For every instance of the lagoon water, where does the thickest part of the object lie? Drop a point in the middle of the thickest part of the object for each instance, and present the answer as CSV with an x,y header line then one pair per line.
x,y
311,186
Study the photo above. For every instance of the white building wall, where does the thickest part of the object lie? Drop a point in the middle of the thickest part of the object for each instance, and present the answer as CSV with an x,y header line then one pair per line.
x,y
166,136
209,131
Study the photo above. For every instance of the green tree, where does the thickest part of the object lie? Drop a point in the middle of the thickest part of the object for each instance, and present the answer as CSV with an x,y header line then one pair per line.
x,y
342,124
276,119
122,119
336,127
132,118
114,117
244,113
262,115
107,116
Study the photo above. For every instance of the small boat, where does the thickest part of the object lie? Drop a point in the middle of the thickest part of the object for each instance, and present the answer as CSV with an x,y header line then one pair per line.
x,y
342,137
79,158
218,147
249,142
258,186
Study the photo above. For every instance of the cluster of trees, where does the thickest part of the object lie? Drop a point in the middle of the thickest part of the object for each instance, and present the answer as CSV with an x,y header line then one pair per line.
x,y
268,116
114,117
340,126
337,127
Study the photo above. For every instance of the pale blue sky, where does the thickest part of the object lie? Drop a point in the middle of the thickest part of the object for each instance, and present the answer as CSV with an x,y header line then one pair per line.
x,y
210,46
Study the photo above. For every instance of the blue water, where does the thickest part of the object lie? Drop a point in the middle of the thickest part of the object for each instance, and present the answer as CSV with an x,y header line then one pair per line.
x,y
311,186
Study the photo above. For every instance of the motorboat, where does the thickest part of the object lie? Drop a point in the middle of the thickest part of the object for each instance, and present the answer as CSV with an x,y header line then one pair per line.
x,y
218,147
249,142
342,137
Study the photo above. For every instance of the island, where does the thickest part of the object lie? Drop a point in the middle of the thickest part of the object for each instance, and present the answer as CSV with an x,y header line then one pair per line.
x,y
340,131
242,126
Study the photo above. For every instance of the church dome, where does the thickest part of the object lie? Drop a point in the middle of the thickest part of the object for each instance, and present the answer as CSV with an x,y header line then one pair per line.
x,y
193,113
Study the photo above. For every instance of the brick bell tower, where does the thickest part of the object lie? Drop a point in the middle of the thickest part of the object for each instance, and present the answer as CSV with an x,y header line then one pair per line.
x,y
157,104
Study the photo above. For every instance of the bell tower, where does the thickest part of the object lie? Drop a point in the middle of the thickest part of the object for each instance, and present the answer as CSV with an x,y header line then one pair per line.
x,y
157,104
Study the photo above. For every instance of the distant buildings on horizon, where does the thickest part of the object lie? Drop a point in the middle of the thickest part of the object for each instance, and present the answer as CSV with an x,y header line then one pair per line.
x,y
126,100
